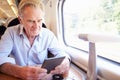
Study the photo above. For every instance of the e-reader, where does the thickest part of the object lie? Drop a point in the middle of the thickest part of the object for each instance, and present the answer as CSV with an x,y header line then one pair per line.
x,y
51,63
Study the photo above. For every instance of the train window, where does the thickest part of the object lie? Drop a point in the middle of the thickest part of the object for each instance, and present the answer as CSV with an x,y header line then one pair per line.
x,y
92,16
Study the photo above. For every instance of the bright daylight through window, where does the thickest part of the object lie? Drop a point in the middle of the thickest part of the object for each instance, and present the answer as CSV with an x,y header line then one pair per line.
x,y
93,16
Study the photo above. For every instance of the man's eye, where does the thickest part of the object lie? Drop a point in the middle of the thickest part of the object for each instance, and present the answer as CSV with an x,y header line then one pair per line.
x,y
30,21
39,20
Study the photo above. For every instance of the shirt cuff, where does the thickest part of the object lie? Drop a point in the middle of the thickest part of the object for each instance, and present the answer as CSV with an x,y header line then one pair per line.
x,y
7,59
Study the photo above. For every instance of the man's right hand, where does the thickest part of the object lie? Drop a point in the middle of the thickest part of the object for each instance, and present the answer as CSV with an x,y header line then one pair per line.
x,y
24,72
32,73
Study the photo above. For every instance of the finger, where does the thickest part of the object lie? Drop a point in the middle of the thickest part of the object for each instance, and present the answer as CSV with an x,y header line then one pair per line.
x,y
38,70
41,70
62,68
54,72
37,76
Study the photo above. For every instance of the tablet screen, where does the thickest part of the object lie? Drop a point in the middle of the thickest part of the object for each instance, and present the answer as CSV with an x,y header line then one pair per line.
x,y
51,63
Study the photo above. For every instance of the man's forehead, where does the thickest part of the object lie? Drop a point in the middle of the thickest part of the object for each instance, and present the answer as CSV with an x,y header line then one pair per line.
x,y
30,11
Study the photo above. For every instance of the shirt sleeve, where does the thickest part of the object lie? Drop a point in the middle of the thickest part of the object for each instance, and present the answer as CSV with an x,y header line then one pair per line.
x,y
56,48
6,59
6,44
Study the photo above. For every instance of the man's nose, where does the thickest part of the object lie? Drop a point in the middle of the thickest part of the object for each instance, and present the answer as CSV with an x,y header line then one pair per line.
x,y
35,23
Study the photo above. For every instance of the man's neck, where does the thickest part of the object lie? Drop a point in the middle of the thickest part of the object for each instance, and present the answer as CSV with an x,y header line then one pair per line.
x,y
31,39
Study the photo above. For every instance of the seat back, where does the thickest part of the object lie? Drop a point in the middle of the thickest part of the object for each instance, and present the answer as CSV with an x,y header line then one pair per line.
x,y
2,30
15,21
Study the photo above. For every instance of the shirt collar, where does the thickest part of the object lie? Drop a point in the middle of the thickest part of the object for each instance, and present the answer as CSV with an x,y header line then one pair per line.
x,y
21,30
21,33
40,34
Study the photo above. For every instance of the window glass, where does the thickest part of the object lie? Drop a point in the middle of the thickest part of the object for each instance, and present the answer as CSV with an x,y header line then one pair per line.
x,y
96,17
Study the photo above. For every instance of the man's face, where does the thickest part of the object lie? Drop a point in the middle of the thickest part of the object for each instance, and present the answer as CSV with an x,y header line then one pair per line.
x,y
32,19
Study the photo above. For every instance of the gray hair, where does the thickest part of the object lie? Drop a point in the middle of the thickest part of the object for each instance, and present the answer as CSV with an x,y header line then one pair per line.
x,y
31,3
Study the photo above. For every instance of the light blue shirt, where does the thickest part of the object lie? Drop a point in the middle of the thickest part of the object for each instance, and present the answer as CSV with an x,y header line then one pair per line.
x,y
15,42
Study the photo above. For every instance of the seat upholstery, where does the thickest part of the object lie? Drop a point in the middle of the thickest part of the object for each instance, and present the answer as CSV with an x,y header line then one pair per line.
x,y
2,30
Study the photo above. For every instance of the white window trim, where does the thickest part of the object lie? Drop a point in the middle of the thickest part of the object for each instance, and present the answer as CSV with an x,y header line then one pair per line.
x,y
106,70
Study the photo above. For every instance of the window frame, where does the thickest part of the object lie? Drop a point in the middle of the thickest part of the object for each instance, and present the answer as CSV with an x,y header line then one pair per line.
x,y
81,60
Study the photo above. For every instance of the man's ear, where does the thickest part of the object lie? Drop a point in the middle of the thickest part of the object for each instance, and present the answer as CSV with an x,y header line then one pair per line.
x,y
19,18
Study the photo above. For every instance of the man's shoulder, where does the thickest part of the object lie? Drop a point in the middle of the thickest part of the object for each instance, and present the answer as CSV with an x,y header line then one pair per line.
x,y
13,29
46,30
